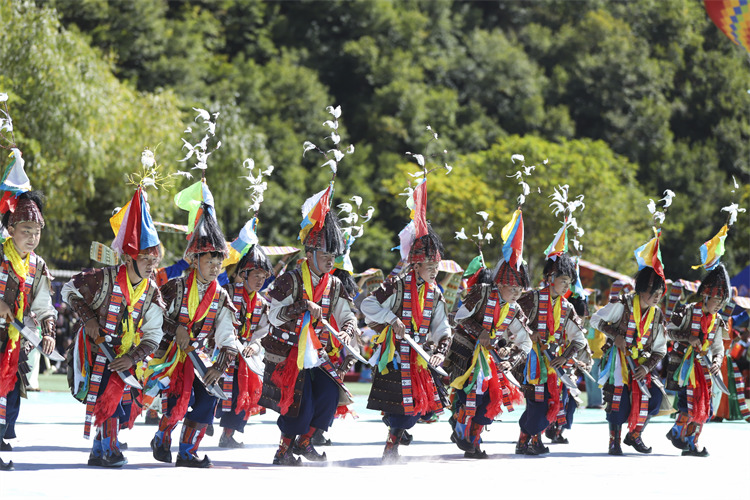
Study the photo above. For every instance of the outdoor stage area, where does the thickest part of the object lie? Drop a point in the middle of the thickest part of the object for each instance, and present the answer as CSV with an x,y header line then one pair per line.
x,y
50,454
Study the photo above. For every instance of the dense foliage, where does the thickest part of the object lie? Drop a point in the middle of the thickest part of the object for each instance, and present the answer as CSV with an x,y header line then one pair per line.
x,y
625,100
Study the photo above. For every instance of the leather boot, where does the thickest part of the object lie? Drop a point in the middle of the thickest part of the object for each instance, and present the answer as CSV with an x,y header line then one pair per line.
x,y
390,453
284,454
614,440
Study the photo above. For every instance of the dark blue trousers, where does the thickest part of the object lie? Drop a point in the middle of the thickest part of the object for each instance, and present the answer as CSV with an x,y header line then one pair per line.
x,y
534,417
12,407
682,403
570,406
482,400
202,404
621,417
320,397
230,419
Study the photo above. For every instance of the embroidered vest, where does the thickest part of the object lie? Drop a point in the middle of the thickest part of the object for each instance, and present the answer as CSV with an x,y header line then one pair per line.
x,y
631,334
541,320
695,325
208,322
5,270
246,333
488,320
423,330
112,332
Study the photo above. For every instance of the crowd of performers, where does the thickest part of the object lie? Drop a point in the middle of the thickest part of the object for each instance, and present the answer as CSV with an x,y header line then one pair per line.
x,y
208,351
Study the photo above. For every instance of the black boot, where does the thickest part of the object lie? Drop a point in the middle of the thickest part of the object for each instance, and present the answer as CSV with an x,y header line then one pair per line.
x,y
634,440
475,433
551,431
210,430
5,446
462,444
390,453
8,466
406,438
536,447
318,439
113,460
693,452
283,455
303,446
161,453
523,443
228,441
194,462
614,440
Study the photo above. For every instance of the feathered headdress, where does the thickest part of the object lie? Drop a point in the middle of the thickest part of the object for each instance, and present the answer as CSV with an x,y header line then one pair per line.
x,y
245,248
204,233
427,248
15,207
649,254
477,271
716,283
418,241
561,205
558,261
712,250
320,228
134,229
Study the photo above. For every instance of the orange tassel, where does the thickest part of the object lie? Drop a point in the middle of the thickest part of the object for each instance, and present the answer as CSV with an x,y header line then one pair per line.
x,y
181,386
285,378
554,396
8,368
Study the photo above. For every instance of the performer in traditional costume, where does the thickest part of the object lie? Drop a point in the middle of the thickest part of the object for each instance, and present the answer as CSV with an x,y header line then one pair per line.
x,y
491,337
404,387
569,399
697,329
24,295
120,310
557,338
636,343
199,317
244,385
300,382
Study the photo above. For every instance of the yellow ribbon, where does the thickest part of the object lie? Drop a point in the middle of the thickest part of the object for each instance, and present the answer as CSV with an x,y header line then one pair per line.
x,y
706,342
479,350
415,328
382,338
503,314
21,267
635,350
193,301
556,314
128,328
308,287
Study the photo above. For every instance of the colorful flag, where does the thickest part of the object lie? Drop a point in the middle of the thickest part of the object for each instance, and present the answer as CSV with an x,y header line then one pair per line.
x,y
649,255
512,235
314,212
713,249
191,199
419,212
134,229
559,244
